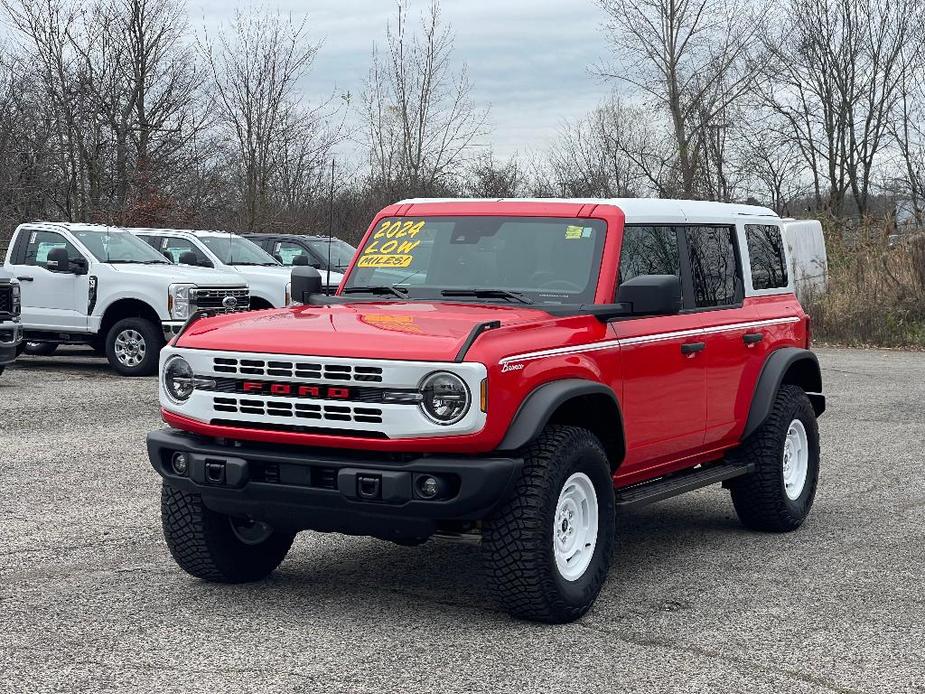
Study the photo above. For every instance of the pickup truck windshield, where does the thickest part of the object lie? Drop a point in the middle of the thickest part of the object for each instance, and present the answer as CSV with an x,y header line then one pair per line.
x,y
119,247
341,252
498,259
234,250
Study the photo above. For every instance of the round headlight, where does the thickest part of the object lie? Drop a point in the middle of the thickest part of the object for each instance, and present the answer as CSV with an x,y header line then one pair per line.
x,y
178,379
446,397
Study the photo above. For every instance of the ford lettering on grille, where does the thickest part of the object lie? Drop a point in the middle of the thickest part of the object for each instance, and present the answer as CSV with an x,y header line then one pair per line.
x,y
296,390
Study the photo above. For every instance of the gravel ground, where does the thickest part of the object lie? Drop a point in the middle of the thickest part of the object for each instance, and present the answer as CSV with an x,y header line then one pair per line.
x,y
90,600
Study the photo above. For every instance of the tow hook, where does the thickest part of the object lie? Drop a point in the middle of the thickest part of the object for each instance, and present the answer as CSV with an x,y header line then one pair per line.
x,y
369,487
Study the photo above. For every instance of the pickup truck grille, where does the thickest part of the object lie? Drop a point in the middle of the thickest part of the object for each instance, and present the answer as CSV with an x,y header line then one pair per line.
x,y
6,300
213,298
291,369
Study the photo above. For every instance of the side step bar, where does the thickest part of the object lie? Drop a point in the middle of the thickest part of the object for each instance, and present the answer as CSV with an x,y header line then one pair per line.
x,y
678,483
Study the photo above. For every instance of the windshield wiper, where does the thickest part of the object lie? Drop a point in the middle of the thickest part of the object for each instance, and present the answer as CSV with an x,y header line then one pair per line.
x,y
400,292
488,294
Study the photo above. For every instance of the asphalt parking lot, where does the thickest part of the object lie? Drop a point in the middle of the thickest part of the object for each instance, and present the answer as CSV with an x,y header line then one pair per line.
x,y
90,600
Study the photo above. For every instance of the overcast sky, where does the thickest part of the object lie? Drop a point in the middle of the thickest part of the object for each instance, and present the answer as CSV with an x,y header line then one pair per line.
x,y
528,59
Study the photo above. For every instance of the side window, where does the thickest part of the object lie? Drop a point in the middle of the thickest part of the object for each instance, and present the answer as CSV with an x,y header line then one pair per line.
x,y
287,251
174,248
766,253
649,250
713,266
153,241
40,243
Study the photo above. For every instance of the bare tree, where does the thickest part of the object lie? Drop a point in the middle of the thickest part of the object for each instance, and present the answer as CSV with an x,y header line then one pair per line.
x,y
420,119
689,59
836,79
255,68
490,178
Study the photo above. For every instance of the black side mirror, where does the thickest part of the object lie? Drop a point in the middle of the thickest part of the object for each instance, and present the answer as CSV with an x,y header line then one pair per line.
x,y
277,257
305,282
58,261
301,260
189,258
651,295
79,266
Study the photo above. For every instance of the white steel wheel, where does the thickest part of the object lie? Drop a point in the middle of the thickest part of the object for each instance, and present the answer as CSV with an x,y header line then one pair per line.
x,y
796,460
575,526
130,347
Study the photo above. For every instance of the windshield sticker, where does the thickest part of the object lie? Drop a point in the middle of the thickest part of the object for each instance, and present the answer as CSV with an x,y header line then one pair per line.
x,y
576,232
392,245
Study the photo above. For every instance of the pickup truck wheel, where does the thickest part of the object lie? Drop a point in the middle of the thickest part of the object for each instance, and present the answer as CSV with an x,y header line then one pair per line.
x,y
40,349
133,345
547,548
215,547
777,497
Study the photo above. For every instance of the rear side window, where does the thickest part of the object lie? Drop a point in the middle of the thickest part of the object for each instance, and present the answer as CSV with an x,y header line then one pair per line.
x,y
713,266
766,253
650,250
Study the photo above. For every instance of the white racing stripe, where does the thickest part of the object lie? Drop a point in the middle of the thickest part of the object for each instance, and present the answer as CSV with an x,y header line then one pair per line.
x,y
644,339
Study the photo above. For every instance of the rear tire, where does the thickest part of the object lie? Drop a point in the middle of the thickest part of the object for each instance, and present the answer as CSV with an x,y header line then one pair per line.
x,y
547,548
40,349
779,494
215,547
133,346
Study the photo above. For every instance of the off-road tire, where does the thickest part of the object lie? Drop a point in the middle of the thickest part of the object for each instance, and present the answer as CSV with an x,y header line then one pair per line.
x,y
153,337
759,498
204,545
517,540
40,349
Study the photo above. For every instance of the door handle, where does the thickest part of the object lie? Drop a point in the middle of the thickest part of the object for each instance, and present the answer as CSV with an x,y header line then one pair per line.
x,y
752,338
26,279
692,347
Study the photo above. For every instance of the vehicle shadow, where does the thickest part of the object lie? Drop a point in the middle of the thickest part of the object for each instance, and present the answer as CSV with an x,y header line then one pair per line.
x,y
437,576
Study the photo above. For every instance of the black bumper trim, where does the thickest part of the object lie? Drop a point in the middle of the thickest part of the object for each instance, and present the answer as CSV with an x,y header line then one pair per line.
x,y
315,490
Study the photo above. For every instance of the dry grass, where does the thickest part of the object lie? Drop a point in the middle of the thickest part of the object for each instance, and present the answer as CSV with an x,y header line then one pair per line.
x,y
876,293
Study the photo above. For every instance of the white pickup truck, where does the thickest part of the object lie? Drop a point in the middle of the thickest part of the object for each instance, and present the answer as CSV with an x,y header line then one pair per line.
x,y
99,285
267,279
10,330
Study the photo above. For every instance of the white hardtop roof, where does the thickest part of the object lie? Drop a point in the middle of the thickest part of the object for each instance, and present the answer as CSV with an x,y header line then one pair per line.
x,y
638,210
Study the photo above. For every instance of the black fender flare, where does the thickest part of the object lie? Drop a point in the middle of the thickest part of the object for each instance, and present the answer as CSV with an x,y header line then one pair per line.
x,y
775,369
536,409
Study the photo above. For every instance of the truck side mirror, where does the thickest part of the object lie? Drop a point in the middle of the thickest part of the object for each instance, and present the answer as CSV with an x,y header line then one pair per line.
x,y
79,266
305,282
301,260
188,258
651,295
58,261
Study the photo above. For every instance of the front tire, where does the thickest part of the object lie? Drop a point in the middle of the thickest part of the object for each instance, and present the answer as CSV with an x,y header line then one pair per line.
x,y
779,494
215,547
133,345
547,548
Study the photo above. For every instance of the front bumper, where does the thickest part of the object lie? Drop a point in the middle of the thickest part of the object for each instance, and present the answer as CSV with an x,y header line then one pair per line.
x,y
322,489
10,338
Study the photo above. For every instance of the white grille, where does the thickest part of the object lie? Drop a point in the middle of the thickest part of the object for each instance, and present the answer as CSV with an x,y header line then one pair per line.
x,y
289,369
301,410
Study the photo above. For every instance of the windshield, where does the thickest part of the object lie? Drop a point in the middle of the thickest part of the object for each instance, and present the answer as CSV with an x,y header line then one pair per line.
x,y
118,247
540,260
341,253
234,250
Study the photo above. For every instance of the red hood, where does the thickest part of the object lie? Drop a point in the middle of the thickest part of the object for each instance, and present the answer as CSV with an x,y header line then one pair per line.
x,y
392,330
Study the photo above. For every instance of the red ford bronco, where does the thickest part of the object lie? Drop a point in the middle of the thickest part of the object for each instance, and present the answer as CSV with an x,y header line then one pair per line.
x,y
510,371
